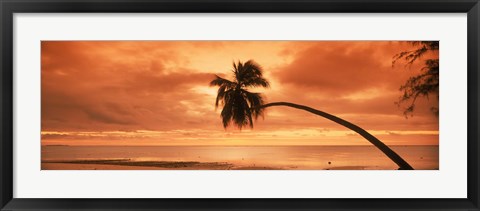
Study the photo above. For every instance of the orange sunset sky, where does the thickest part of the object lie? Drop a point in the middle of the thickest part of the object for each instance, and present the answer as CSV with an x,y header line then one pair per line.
x,y
157,93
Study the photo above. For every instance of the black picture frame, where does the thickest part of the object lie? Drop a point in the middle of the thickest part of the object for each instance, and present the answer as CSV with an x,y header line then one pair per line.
x,y
10,7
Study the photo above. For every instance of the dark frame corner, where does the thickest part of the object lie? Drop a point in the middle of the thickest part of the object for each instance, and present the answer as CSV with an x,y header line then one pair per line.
x,y
9,7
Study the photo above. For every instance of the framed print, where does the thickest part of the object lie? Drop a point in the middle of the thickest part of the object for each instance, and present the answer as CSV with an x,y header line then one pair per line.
x,y
259,105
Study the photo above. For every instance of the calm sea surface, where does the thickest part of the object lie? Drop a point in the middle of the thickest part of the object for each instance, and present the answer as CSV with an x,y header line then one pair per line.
x,y
285,157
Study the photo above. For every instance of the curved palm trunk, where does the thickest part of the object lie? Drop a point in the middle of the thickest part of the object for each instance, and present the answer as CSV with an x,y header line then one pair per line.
x,y
380,145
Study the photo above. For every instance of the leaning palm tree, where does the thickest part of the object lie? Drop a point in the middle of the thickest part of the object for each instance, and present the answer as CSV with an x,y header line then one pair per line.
x,y
241,106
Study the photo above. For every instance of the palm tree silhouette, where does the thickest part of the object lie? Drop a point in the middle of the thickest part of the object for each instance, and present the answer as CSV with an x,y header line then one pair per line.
x,y
241,106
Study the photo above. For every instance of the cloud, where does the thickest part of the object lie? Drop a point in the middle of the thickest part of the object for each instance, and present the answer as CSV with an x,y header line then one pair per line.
x,y
343,68
163,86
86,85
348,77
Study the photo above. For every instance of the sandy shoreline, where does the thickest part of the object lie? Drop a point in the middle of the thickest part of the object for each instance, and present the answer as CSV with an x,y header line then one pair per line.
x,y
125,164
232,158
69,166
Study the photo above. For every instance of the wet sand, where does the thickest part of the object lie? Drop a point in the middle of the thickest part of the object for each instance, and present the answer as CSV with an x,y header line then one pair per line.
x,y
348,168
69,166
126,164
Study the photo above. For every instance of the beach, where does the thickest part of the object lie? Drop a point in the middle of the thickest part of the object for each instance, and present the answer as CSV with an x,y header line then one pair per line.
x,y
131,165
233,157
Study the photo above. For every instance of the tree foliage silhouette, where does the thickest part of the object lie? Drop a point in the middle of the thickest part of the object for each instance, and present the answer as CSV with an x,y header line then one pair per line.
x,y
241,106
425,83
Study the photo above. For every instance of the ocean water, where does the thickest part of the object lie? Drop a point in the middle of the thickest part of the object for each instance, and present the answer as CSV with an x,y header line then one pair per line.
x,y
284,157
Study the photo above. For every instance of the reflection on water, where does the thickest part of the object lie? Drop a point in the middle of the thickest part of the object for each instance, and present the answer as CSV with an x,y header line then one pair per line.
x,y
285,157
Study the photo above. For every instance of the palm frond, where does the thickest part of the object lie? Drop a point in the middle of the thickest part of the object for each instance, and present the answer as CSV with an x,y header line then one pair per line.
x,y
222,94
253,67
240,106
239,111
256,82
252,75
255,101
227,113
219,81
